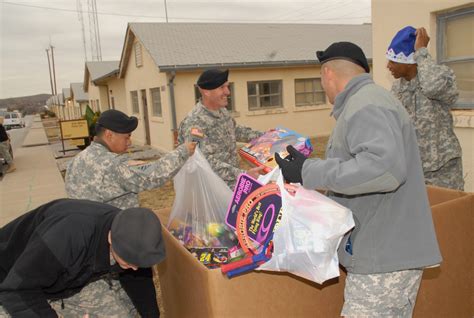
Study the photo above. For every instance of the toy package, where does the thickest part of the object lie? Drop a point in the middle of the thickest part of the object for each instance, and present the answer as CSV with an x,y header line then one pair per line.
x,y
260,151
253,211
211,257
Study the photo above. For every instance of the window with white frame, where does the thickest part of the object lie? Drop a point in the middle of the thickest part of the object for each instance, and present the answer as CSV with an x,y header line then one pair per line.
x,y
138,55
309,92
230,98
156,101
134,98
264,94
455,49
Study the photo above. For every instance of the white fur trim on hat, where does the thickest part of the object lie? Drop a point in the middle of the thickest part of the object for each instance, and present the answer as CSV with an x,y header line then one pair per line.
x,y
400,57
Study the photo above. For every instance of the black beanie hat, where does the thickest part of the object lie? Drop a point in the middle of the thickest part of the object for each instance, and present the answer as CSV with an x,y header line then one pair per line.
x,y
117,121
344,51
136,237
213,78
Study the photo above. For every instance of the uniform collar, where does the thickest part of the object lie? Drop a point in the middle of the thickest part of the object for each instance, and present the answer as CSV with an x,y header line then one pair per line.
x,y
410,85
351,88
99,141
214,113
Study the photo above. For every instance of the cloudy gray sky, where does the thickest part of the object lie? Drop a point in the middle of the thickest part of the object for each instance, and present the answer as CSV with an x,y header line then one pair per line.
x,y
28,27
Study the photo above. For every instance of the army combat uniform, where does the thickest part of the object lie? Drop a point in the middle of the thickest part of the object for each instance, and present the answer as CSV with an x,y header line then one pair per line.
x,y
218,144
428,98
100,175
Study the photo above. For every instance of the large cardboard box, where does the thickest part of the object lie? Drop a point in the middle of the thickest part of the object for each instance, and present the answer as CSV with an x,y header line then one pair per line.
x,y
191,290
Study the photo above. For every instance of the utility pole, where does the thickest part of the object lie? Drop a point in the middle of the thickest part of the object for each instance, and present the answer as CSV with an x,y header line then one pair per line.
x,y
54,70
49,69
166,12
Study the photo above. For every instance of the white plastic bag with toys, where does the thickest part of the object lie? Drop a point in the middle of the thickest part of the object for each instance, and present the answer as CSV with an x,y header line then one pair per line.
x,y
199,209
309,232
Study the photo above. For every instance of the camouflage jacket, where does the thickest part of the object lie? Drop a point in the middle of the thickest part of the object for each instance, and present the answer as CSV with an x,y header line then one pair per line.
x,y
219,142
100,175
428,98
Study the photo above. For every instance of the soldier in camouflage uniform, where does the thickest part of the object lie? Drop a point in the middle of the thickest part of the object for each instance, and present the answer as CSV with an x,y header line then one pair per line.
x,y
78,258
214,127
428,90
101,172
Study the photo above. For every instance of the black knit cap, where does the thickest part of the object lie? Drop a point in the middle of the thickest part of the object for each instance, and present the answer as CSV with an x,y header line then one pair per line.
x,y
345,51
136,237
212,78
117,121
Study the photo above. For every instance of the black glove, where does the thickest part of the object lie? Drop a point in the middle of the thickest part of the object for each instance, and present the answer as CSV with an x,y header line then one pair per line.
x,y
291,165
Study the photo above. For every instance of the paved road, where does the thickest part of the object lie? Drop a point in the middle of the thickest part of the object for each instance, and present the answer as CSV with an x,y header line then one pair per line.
x,y
17,135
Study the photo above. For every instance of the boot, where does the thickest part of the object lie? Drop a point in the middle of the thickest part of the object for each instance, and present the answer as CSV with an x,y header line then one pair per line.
x,y
11,168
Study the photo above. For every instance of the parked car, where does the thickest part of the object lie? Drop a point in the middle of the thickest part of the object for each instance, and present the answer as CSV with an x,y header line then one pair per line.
x,y
13,119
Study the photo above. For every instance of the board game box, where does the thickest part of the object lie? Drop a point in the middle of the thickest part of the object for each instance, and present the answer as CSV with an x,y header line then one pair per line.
x,y
260,151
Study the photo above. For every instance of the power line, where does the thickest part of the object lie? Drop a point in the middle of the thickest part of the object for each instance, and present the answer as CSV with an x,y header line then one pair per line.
x,y
181,18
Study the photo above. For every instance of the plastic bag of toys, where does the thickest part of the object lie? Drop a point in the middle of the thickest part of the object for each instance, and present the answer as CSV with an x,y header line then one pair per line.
x,y
308,234
198,212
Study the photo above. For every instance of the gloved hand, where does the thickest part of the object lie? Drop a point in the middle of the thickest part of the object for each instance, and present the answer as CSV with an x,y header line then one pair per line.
x,y
291,165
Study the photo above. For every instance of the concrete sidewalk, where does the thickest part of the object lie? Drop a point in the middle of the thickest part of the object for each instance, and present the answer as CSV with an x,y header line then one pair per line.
x,y
37,179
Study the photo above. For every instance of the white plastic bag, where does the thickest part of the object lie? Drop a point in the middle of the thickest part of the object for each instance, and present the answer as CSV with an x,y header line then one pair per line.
x,y
309,233
200,205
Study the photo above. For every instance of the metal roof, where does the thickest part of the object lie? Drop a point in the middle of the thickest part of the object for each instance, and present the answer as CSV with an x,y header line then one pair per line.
x,y
98,71
77,91
102,68
66,93
175,46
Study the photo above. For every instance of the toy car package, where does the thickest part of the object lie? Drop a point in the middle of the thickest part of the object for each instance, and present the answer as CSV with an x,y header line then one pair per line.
x,y
260,151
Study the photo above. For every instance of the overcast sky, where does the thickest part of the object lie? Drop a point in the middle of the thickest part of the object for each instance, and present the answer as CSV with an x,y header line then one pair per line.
x,y
28,27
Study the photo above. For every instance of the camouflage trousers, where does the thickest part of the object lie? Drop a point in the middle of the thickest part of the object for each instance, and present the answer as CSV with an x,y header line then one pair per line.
x,y
381,295
96,300
5,152
448,176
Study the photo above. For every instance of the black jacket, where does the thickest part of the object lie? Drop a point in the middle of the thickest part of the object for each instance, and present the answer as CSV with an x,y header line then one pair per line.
x,y
3,134
58,248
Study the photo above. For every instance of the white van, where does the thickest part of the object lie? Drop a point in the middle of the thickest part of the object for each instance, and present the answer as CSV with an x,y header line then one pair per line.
x,y
13,120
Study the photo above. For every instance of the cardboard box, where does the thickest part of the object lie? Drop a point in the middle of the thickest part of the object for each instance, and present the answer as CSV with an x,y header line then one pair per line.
x,y
448,290
191,290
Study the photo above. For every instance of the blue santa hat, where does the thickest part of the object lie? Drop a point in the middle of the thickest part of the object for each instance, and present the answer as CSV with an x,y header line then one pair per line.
x,y
402,48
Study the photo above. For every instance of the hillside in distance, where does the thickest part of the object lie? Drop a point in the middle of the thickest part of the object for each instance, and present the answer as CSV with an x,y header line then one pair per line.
x,y
25,104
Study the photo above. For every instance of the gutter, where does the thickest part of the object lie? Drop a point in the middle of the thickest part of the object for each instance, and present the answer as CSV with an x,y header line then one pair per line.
x,y
184,67
174,124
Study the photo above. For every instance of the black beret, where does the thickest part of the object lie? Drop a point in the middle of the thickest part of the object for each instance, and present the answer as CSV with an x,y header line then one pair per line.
x,y
213,78
117,121
136,237
345,51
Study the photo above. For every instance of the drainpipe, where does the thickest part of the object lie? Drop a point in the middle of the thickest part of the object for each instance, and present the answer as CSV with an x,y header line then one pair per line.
x,y
174,124
108,97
